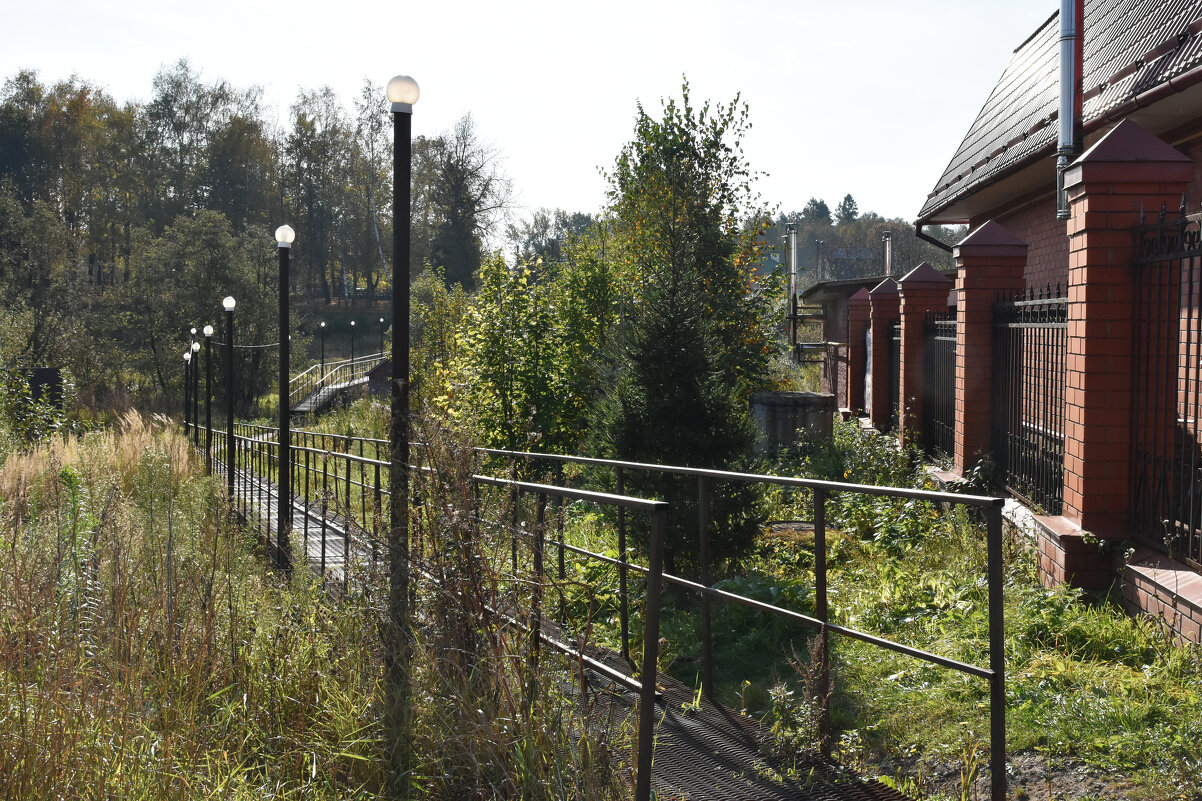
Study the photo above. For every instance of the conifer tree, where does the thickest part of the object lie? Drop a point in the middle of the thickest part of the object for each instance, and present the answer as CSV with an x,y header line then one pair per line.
x,y
692,344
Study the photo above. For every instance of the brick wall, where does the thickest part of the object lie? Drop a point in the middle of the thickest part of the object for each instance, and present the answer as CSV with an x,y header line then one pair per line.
x,y
1047,242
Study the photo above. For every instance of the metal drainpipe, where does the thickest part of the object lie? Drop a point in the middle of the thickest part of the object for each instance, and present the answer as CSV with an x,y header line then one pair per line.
x,y
918,226
1071,56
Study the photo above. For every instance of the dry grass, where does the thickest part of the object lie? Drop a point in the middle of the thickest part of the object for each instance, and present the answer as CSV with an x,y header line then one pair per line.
x,y
147,652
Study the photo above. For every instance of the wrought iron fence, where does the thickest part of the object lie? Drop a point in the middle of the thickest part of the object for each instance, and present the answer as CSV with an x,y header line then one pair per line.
x,y
1166,440
1030,344
939,384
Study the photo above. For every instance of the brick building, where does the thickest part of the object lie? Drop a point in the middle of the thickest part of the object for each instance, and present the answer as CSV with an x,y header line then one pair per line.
x,y
1076,348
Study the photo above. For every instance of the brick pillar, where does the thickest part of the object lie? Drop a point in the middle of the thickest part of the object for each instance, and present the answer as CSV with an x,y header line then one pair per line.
x,y
923,290
885,304
1126,170
989,261
859,309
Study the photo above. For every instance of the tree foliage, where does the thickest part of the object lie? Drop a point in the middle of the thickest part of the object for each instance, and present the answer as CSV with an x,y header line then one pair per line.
x,y
459,196
692,344
816,212
94,195
545,234
847,210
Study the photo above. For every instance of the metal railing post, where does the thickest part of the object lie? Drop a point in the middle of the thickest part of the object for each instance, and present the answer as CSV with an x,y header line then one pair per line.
x,y
623,602
707,630
536,600
513,520
325,502
997,656
375,523
821,611
647,676
346,541
559,515
307,504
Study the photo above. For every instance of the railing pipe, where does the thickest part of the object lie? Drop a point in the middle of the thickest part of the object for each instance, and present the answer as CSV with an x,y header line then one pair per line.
x,y
997,657
536,600
325,504
623,602
208,401
559,520
707,632
822,611
646,733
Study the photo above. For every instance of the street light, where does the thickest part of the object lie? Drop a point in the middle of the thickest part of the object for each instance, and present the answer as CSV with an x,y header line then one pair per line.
x,y
284,236
195,393
323,351
187,389
228,305
352,347
402,93
381,335
189,368
208,332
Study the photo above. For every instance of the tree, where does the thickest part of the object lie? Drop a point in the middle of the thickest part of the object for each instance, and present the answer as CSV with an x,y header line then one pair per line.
x,y
847,211
692,344
544,235
179,280
816,212
371,182
316,155
459,194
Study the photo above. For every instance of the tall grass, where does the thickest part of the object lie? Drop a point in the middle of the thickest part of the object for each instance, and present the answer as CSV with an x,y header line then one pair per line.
x,y
148,651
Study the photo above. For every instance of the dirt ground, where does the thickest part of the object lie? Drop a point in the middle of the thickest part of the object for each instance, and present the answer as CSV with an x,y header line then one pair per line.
x,y
1034,777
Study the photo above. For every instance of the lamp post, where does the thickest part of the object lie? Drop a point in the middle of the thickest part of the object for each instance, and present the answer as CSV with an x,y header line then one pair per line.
x,y
187,388
381,335
190,391
402,93
352,346
208,332
284,236
196,393
323,351
228,304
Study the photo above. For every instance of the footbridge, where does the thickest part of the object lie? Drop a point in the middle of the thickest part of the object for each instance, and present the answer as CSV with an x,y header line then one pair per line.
x,y
688,745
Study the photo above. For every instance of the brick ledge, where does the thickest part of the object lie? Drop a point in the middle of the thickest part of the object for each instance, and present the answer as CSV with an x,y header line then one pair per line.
x,y
1177,581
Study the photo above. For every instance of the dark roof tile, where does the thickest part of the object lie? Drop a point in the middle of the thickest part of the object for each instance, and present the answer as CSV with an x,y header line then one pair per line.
x,y
1131,46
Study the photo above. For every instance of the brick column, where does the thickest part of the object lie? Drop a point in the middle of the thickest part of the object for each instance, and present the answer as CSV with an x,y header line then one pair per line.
x,y
1128,169
923,290
885,304
989,261
859,309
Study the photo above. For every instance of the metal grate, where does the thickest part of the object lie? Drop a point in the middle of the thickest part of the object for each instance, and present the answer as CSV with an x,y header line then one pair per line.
x,y
1166,454
716,754
1030,345
939,384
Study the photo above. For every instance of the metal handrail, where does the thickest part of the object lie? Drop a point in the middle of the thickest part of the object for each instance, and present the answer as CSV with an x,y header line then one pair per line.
x,y
991,507
302,387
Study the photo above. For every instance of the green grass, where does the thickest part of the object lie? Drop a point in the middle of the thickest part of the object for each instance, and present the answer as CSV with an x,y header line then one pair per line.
x,y
1086,683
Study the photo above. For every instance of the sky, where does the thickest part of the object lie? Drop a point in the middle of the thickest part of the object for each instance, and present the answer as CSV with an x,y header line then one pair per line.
x,y
868,98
